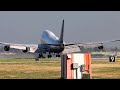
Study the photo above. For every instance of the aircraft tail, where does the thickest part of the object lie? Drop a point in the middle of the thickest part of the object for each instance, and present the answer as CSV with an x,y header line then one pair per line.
x,y
62,32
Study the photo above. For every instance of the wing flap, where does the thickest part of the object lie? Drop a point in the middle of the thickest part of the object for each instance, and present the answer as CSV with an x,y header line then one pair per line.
x,y
18,47
71,49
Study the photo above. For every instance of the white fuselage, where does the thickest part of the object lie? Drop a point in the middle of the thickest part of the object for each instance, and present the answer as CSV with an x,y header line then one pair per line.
x,y
49,37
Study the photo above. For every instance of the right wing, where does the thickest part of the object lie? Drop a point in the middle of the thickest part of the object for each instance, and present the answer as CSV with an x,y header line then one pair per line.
x,y
24,47
91,43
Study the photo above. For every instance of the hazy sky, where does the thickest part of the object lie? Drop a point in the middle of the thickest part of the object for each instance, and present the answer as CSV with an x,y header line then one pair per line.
x,y
80,26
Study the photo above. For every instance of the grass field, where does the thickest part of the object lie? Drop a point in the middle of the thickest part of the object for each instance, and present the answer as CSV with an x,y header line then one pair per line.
x,y
105,70
50,69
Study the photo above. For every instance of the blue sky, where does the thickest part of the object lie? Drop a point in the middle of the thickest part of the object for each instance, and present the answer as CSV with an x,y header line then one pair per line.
x,y
80,26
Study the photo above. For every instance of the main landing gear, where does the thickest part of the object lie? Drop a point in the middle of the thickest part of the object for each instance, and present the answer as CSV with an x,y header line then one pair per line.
x,y
36,59
39,56
57,55
49,56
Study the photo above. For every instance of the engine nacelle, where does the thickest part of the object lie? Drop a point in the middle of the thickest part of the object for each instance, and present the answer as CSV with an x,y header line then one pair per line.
x,y
27,50
7,48
100,47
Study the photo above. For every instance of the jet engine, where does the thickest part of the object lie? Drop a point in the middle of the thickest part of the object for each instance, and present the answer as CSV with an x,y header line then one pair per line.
x,y
26,50
7,48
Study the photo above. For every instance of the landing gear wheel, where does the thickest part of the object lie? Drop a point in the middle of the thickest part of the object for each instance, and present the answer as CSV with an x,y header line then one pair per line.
x,y
36,59
57,55
49,56
40,56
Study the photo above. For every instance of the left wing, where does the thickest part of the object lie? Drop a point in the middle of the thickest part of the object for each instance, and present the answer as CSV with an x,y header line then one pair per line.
x,y
24,47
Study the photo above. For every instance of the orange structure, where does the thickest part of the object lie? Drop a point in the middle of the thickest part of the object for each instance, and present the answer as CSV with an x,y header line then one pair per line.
x,y
76,66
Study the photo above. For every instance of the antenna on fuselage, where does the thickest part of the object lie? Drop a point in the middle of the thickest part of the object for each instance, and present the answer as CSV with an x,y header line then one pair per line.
x,y
62,32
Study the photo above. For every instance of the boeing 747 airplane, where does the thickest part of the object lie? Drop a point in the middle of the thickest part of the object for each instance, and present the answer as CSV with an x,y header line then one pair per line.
x,y
50,44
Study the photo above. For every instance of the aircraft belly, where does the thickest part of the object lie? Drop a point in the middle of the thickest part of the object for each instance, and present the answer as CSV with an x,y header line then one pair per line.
x,y
42,48
46,48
